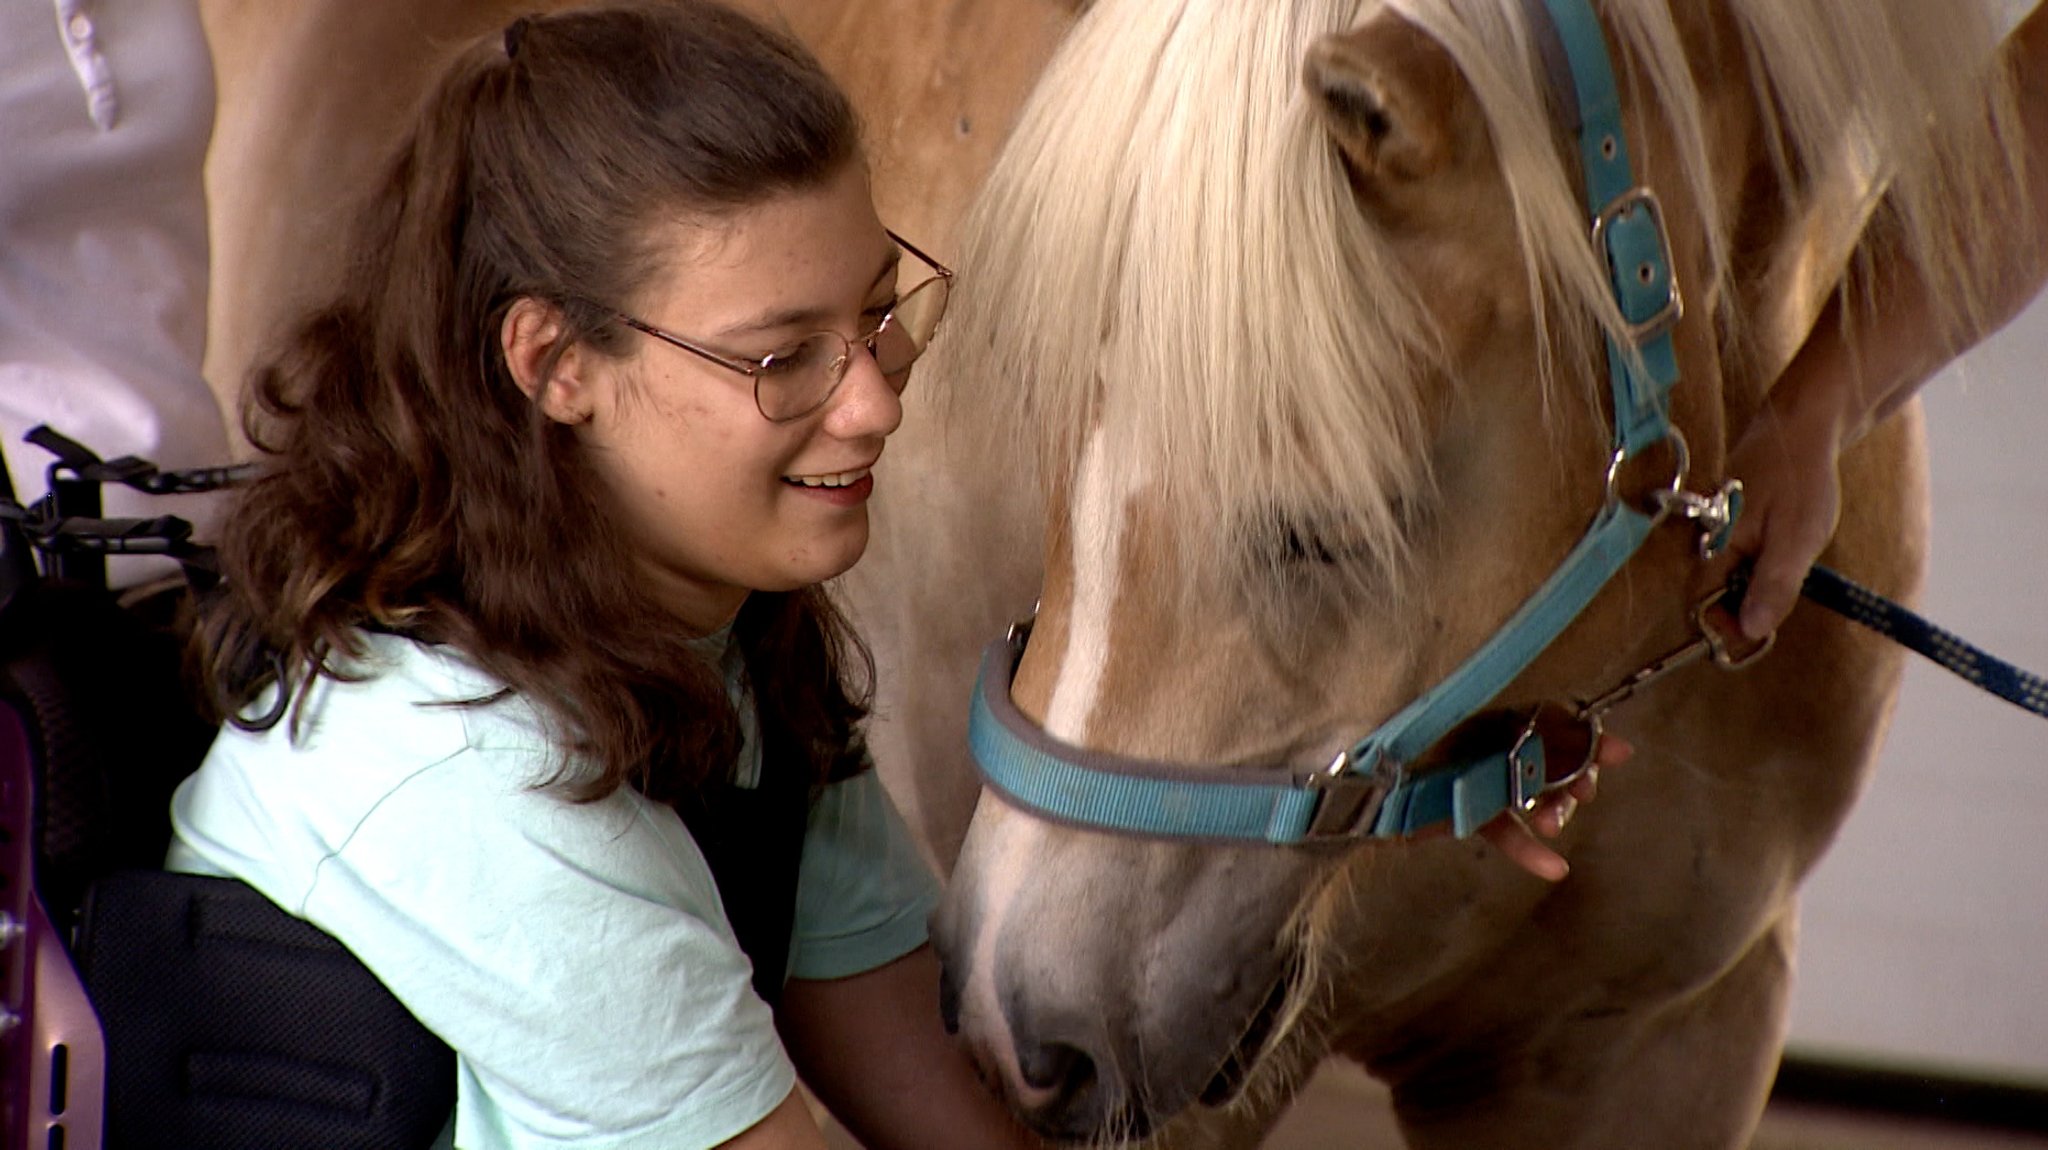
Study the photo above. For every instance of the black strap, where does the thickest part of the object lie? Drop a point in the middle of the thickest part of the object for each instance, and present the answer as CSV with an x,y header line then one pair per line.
x,y
752,838
68,526
232,1025
112,730
77,461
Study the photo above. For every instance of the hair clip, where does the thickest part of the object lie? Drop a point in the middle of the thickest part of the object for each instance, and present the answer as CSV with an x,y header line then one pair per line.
x,y
514,33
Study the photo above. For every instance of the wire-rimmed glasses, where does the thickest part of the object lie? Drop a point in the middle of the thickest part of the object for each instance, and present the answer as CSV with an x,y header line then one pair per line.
x,y
798,380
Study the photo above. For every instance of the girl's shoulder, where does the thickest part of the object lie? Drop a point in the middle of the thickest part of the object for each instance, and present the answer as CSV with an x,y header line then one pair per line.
x,y
411,741
387,718
429,695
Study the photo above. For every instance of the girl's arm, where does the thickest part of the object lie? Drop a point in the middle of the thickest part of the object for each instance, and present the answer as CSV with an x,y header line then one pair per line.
x,y
872,1049
1847,378
788,1127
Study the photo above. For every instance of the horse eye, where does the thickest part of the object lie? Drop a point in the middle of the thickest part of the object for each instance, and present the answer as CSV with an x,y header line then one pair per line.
x,y
1291,541
1301,546
1329,552
1327,541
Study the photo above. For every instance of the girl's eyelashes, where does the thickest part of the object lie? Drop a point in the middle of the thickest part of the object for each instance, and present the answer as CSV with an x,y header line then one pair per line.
x,y
791,355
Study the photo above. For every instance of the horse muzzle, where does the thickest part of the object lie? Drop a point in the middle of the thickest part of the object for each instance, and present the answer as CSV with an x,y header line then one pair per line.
x,y
1092,1053
1070,1080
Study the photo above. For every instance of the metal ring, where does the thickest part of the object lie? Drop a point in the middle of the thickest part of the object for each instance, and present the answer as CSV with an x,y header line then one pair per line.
x,y
1662,500
1020,631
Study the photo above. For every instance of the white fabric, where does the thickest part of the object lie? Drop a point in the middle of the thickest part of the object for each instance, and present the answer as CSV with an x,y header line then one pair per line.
x,y
106,109
577,957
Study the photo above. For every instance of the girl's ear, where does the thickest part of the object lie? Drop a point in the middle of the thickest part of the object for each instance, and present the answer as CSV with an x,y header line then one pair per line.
x,y
529,335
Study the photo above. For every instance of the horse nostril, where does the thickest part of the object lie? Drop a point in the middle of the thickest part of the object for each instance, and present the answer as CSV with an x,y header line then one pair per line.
x,y
1057,1068
1071,1091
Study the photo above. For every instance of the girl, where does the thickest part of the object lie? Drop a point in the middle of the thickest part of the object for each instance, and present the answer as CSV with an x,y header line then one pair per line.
x,y
522,641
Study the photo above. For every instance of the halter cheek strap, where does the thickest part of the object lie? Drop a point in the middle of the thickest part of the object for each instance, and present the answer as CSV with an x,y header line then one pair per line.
x,y
1369,791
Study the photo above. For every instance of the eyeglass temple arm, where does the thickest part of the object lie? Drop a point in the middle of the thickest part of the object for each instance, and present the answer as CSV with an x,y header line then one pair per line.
x,y
913,249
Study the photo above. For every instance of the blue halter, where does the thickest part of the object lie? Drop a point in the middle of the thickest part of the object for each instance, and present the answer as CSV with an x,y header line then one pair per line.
x,y
1370,791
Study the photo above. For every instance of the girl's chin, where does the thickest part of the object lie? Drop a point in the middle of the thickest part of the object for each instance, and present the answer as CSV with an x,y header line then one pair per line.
x,y
830,555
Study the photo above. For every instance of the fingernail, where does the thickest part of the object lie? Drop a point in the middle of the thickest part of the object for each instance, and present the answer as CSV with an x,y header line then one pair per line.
x,y
1588,786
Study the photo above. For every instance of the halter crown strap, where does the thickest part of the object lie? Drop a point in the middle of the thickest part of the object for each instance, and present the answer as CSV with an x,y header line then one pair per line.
x,y
1368,790
1628,224
1628,230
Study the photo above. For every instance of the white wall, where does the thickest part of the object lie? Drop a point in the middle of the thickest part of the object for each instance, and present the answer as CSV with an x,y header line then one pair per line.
x,y
1926,928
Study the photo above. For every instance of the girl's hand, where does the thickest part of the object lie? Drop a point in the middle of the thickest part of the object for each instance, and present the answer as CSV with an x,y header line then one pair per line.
x,y
1789,463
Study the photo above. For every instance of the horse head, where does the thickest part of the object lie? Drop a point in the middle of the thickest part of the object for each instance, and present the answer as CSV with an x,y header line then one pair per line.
x,y
1293,311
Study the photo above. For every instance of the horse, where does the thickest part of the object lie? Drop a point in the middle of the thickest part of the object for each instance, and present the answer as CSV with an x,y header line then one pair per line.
x,y
1293,313
1263,380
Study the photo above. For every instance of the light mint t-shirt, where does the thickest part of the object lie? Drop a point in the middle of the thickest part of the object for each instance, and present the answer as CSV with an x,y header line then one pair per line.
x,y
575,956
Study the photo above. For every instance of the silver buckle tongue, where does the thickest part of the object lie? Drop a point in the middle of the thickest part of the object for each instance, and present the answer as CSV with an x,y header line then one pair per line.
x,y
1528,764
1351,799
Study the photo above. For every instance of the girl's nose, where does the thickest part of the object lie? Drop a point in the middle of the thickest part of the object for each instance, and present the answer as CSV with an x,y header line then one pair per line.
x,y
864,404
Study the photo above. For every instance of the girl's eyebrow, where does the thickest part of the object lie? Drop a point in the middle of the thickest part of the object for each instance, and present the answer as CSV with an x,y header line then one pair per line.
x,y
812,316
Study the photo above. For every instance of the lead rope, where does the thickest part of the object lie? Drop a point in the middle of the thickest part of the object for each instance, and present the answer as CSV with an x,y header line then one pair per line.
x,y
1853,601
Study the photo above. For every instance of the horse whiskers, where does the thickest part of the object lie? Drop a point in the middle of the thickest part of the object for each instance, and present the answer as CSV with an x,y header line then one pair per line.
x,y
1284,1054
1300,1037
1122,1135
1287,1066
1289,1054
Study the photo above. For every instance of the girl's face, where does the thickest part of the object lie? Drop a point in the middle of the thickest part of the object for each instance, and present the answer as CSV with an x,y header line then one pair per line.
x,y
718,500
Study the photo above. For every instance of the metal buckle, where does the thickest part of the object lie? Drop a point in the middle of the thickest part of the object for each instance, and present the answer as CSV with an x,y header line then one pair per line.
x,y
1351,800
1529,776
1524,770
1672,310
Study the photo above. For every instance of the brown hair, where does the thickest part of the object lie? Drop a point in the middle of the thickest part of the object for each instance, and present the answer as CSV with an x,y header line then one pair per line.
x,y
411,486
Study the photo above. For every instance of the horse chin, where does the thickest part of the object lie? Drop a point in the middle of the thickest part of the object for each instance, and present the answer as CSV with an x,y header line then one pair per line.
x,y
1261,1034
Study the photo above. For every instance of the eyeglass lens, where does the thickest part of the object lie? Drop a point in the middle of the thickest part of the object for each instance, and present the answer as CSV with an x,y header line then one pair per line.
x,y
800,380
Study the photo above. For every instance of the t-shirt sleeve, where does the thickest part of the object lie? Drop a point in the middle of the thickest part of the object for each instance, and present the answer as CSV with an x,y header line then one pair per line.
x,y
864,893
575,955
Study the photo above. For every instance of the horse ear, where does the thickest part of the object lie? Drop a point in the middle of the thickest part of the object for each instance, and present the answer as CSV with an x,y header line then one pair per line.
x,y
1387,93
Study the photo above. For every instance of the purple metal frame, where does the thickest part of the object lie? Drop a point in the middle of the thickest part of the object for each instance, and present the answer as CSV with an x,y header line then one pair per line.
x,y
52,1056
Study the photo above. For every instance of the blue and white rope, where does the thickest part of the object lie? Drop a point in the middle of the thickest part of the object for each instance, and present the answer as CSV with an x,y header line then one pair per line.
x,y
1856,602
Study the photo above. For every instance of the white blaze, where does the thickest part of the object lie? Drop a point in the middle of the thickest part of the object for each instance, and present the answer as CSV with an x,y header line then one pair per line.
x,y
1102,492
1098,514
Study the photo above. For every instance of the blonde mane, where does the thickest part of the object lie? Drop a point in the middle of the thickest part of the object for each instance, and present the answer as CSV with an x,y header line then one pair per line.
x,y
1168,253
